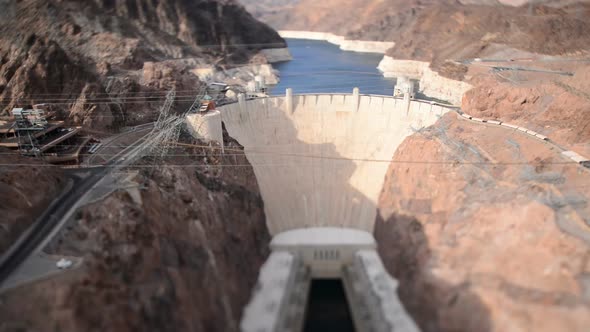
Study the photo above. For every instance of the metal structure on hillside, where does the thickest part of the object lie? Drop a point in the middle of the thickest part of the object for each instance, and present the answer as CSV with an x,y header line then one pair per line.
x,y
27,122
165,110
160,132
166,131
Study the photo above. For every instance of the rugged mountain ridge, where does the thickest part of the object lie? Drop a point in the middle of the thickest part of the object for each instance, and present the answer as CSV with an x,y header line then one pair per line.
x,y
63,51
434,31
182,253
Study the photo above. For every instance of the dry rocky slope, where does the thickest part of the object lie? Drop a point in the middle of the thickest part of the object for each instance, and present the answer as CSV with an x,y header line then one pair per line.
x,y
184,256
491,233
22,200
91,56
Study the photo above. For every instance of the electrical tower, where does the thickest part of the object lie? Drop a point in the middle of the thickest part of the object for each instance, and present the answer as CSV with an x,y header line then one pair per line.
x,y
166,131
165,110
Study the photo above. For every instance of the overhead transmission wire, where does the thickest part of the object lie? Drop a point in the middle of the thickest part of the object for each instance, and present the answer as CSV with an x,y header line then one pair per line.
x,y
304,73
162,94
130,101
124,99
421,162
309,156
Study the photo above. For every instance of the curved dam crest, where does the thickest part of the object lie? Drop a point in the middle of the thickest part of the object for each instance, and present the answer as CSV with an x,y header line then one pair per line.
x,y
320,160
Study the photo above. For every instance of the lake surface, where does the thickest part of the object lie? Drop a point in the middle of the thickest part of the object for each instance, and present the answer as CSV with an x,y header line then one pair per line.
x,y
319,66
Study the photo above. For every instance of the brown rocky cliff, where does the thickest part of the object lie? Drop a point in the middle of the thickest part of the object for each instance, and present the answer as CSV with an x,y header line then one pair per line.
x,y
185,257
53,50
436,31
488,232
24,193
556,107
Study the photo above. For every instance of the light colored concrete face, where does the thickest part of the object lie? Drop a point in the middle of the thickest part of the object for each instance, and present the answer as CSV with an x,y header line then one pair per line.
x,y
315,161
324,250
206,126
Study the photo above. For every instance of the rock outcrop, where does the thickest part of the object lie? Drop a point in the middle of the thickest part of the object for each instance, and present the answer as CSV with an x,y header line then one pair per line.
x,y
486,231
92,53
556,107
182,254
438,34
25,191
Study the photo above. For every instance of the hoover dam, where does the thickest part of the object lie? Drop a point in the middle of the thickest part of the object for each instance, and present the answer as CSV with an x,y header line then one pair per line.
x,y
291,165
320,160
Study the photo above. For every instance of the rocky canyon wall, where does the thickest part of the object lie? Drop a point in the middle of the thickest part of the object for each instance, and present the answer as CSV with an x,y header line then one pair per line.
x,y
96,55
488,233
180,253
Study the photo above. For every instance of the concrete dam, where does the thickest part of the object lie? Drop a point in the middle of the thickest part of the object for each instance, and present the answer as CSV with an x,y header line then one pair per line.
x,y
320,159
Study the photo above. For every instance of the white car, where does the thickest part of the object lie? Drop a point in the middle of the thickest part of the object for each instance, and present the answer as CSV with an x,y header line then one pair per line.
x,y
64,264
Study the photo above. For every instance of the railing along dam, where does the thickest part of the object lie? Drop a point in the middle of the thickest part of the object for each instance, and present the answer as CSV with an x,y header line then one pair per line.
x,y
320,160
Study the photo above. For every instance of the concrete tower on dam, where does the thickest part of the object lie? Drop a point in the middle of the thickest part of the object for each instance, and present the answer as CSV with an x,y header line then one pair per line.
x,y
320,160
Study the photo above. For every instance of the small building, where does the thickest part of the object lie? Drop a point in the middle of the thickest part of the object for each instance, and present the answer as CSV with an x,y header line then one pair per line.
x,y
207,104
404,86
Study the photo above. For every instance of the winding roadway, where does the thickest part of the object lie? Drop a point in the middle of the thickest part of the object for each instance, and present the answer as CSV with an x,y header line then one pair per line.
x,y
25,260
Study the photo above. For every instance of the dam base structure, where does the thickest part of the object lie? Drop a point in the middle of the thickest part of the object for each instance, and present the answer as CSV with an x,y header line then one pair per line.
x,y
298,286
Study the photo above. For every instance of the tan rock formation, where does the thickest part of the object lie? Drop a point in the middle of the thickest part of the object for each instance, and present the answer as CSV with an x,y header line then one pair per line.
x,y
489,233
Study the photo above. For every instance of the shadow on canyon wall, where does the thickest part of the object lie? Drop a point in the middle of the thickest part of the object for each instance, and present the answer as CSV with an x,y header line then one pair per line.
x,y
434,304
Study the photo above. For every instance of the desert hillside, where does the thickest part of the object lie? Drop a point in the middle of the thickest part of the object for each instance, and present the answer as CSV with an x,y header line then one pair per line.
x,y
88,58
437,30
160,257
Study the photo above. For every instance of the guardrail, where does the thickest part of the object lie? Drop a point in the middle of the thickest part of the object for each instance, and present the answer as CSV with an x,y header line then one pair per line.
x,y
278,303
572,155
373,295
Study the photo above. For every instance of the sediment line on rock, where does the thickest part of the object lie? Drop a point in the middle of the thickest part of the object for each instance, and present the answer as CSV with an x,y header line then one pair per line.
x,y
363,46
431,83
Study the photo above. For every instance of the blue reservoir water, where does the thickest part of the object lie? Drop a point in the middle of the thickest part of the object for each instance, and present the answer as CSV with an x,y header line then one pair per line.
x,y
319,66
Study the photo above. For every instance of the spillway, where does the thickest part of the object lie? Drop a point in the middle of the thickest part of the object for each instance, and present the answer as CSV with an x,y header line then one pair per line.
x,y
320,159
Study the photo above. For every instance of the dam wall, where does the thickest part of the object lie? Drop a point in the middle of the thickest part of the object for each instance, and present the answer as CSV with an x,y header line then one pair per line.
x,y
364,46
320,160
